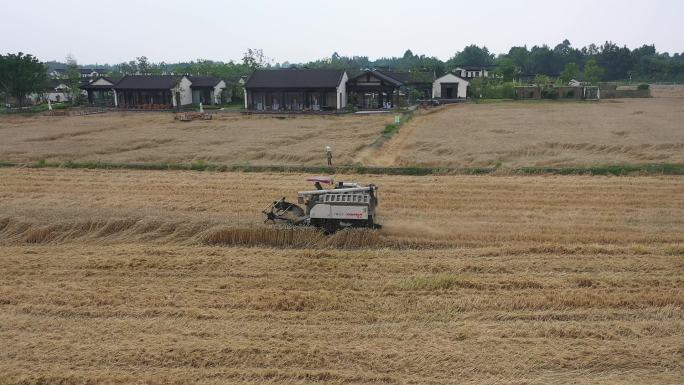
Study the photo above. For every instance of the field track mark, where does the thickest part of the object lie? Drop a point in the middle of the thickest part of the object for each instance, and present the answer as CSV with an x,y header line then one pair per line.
x,y
48,138
388,154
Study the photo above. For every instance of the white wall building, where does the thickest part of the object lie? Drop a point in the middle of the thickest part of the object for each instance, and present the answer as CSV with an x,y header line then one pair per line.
x,y
450,86
207,90
296,90
154,91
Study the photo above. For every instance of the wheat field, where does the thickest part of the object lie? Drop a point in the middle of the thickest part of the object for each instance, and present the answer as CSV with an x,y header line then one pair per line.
x,y
541,134
122,277
230,138
508,134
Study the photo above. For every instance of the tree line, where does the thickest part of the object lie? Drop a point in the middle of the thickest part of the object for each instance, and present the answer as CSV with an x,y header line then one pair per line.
x,y
618,63
642,64
22,74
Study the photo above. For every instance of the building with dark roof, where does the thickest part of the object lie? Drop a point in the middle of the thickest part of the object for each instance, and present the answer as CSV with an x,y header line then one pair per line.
x,y
56,91
101,90
208,90
152,91
296,90
377,89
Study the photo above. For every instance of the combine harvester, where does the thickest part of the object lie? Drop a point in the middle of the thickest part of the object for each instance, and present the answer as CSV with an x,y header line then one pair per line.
x,y
341,206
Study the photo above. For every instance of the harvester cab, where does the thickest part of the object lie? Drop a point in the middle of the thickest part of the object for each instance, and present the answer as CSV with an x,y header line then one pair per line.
x,y
331,208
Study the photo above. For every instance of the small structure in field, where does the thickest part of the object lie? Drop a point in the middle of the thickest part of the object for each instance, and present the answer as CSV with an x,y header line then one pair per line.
x,y
528,92
190,116
450,86
296,90
613,91
207,90
536,92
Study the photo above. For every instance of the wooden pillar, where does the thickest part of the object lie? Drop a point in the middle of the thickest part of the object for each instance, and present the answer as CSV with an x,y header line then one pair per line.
x,y
381,99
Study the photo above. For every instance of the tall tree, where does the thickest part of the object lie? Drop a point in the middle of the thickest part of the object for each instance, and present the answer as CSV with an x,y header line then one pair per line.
x,y
543,61
617,61
255,58
592,72
20,75
73,79
521,58
143,65
507,69
472,55
569,72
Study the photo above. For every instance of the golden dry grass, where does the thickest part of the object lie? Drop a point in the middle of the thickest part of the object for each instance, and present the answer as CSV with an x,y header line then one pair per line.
x,y
512,134
558,134
168,277
155,137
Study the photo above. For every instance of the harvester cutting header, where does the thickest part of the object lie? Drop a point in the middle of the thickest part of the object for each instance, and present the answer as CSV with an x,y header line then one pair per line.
x,y
334,208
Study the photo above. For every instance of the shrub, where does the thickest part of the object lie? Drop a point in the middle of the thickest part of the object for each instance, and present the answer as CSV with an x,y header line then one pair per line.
x,y
549,94
198,165
643,86
390,128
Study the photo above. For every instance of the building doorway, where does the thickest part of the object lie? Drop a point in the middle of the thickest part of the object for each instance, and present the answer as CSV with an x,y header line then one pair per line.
x,y
449,90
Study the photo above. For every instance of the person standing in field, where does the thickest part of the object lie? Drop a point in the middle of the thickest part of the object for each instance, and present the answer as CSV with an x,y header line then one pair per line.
x,y
328,155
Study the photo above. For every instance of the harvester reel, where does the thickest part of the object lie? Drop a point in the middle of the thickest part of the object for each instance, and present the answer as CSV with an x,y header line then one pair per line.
x,y
282,210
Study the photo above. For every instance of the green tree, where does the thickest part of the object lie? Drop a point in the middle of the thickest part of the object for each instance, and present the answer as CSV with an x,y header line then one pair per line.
x,y
592,72
506,69
569,72
472,55
20,75
521,58
73,80
542,81
255,58
143,65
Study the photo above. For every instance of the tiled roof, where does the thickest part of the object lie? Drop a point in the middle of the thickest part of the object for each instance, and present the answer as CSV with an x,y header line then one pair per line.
x,y
295,78
147,82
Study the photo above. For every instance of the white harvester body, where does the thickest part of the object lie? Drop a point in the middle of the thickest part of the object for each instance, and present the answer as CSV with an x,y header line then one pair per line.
x,y
345,205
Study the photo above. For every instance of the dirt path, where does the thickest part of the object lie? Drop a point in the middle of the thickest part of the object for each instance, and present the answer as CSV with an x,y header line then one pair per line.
x,y
388,153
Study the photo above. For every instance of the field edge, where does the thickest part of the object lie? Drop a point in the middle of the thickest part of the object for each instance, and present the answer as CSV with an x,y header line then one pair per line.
x,y
618,170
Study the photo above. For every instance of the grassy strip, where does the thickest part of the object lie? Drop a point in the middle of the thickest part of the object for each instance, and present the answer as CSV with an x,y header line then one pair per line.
x,y
36,109
624,169
391,129
644,169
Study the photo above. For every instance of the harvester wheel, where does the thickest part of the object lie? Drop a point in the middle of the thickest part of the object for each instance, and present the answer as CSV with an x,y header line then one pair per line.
x,y
330,226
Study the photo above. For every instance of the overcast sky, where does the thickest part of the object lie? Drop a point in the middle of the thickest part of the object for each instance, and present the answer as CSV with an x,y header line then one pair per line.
x,y
303,30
